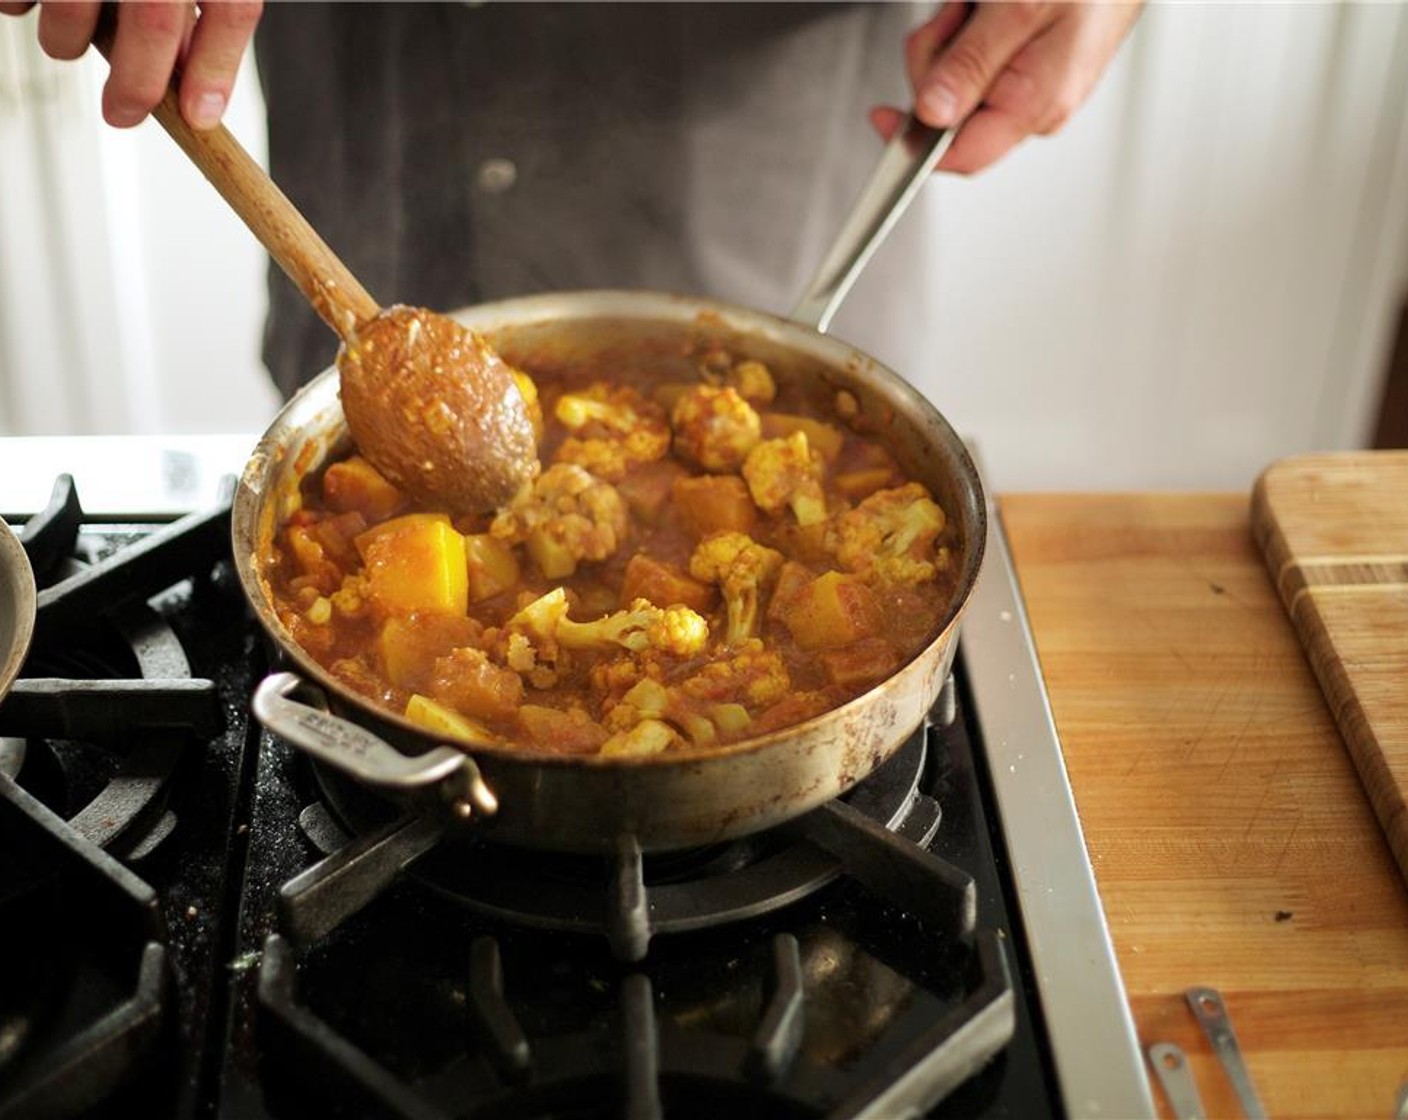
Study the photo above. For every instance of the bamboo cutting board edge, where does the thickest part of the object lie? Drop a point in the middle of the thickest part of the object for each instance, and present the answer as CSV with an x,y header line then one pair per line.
x,y
1314,587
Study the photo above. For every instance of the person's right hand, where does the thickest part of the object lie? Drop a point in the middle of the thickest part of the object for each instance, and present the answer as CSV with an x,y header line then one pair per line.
x,y
150,40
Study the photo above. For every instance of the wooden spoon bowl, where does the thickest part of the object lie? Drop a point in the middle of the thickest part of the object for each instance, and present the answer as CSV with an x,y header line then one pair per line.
x,y
436,410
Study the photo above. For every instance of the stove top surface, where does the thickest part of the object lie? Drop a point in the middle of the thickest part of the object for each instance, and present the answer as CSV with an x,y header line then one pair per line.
x,y
218,928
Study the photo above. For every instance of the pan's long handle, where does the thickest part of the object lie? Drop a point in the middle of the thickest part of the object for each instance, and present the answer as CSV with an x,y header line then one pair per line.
x,y
366,757
905,165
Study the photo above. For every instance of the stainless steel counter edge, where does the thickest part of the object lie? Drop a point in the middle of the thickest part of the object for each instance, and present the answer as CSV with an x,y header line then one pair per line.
x,y
1098,1059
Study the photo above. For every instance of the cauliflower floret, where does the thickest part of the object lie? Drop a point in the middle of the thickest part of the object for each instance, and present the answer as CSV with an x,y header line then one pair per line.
x,y
613,429
704,722
752,675
891,535
715,427
568,515
788,472
740,566
649,736
753,380
642,626
528,644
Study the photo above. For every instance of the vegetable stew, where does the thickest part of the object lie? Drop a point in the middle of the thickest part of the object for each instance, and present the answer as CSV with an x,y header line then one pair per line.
x,y
705,556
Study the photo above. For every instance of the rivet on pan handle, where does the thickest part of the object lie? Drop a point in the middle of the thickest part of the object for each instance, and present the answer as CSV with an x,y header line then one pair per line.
x,y
356,751
1171,1066
1212,1016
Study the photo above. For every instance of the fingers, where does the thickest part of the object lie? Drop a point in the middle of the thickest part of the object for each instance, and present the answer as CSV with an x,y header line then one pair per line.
x,y
143,54
1053,75
1012,70
886,120
966,65
15,7
218,43
65,30
986,136
923,43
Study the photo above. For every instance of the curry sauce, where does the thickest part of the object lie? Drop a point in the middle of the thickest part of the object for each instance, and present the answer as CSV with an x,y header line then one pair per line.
x,y
704,557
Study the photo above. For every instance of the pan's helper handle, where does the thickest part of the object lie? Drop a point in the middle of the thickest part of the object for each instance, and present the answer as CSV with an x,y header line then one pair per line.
x,y
366,757
905,165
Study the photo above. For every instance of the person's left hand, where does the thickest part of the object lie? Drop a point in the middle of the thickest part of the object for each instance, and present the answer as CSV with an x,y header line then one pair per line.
x,y
1018,68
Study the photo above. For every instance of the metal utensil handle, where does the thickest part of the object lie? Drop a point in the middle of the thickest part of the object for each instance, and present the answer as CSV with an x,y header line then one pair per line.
x,y
356,751
1211,1013
1171,1066
905,165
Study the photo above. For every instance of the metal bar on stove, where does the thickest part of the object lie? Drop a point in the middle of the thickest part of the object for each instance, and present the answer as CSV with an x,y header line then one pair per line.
x,y
1099,1063
779,1034
49,535
948,1054
903,872
132,801
85,1069
306,1043
316,901
141,570
494,1021
628,909
111,873
59,708
641,1049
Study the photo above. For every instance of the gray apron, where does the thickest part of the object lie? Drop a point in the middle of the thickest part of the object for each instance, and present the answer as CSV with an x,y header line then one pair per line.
x,y
456,153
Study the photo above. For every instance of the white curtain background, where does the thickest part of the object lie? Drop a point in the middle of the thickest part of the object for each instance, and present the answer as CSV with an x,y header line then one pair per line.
x,y
1200,274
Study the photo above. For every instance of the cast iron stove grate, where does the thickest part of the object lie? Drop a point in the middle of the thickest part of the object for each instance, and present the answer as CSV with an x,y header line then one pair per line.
x,y
94,736
830,968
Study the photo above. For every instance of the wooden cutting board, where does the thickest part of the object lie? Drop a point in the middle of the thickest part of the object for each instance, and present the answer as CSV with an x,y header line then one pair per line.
x,y
1334,532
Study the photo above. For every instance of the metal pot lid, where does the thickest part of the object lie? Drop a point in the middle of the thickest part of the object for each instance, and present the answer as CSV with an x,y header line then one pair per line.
x,y
17,606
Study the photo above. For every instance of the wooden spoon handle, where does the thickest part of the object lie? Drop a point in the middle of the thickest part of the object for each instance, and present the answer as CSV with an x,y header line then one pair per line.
x,y
334,292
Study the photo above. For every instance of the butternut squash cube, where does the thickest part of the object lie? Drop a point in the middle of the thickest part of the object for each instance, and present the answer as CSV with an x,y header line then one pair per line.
x,y
866,662
568,732
664,585
441,720
416,563
824,437
860,484
648,487
467,681
791,578
493,568
355,485
408,647
714,503
833,610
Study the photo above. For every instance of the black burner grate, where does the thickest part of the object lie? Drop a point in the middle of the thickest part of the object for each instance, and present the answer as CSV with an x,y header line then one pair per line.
x,y
95,736
854,983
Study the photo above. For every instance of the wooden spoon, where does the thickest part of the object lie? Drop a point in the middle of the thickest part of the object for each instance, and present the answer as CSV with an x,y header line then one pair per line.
x,y
429,402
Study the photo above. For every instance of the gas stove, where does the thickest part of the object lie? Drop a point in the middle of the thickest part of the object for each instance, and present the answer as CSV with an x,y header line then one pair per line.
x,y
198,921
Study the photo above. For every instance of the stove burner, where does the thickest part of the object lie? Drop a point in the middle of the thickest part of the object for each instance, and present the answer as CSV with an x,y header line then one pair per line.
x,y
57,732
84,964
93,731
815,1019
628,899
697,1030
